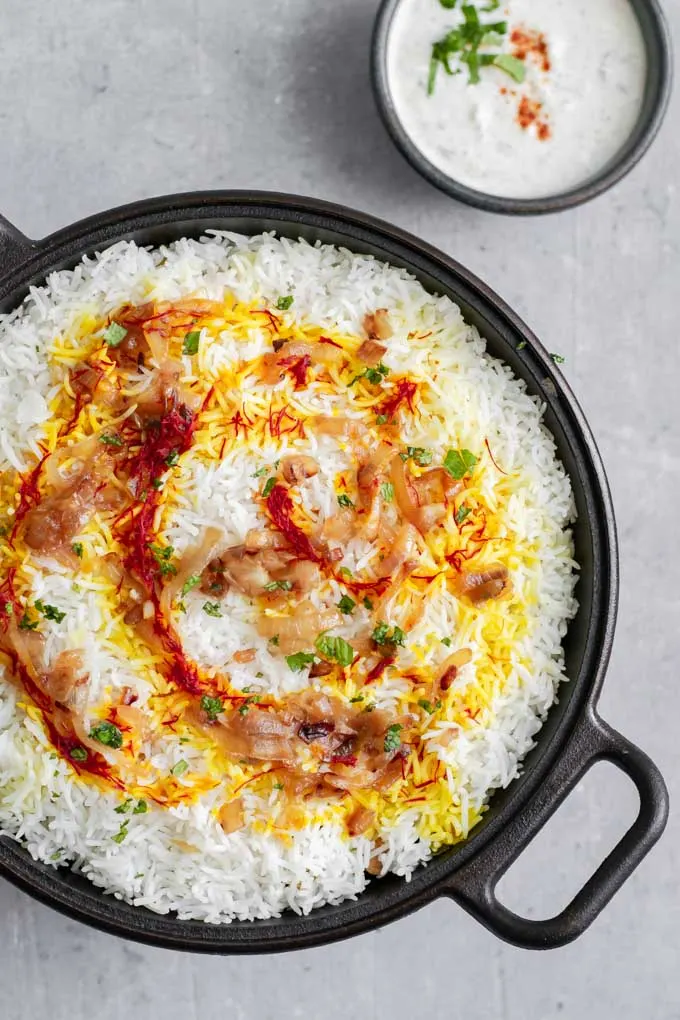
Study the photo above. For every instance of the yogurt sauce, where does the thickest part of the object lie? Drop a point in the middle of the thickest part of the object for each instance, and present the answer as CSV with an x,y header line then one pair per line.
x,y
577,105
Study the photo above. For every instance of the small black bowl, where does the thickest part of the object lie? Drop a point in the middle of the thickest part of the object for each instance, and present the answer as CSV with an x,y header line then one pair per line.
x,y
655,100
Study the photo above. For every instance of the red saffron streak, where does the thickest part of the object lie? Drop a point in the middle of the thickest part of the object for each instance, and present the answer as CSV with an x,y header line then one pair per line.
x,y
297,367
404,392
379,669
280,507
29,494
493,459
327,340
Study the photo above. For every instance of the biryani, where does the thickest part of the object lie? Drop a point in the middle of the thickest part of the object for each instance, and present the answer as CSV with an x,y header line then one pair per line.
x,y
285,568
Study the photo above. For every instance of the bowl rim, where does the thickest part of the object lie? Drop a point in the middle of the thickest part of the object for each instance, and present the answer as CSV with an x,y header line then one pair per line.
x,y
658,87
391,899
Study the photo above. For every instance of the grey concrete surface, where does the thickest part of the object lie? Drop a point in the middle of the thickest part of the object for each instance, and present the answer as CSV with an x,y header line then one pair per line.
x,y
103,103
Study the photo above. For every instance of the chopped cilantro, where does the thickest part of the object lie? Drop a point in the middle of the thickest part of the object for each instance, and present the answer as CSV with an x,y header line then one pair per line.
x,y
382,635
274,640
345,572
25,623
462,512
463,44
140,808
110,439
344,500
8,608
381,419
346,604
268,486
180,768
122,833
190,583
419,454
78,754
374,375
108,734
335,649
387,491
162,556
78,549
284,302
511,65
191,342
114,334
367,603
299,661
357,697
212,609
278,586
172,458
392,739
49,612
446,641
156,483
261,471
124,807
459,463
427,705
212,707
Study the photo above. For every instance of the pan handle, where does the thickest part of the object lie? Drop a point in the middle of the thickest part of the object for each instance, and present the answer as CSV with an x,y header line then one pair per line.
x,y
474,884
15,247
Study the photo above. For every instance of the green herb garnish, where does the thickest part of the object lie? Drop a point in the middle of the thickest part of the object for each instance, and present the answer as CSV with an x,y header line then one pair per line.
x,y
381,419
558,359
419,454
122,832
156,483
78,549
427,705
124,807
212,609
374,375
335,649
367,603
110,439
300,661
446,641
108,734
172,458
114,334
387,492
25,623
459,463
49,612
212,707
357,697
140,808
190,583
78,754
462,512
382,635
511,65
180,768
462,45
162,556
268,486
191,342
284,303
278,586
392,738
344,500
346,604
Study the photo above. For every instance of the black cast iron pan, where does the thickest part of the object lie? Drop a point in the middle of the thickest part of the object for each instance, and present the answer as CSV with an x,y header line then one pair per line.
x,y
574,736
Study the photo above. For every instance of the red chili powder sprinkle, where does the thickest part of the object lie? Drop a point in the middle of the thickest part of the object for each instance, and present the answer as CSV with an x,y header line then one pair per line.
x,y
530,43
529,113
